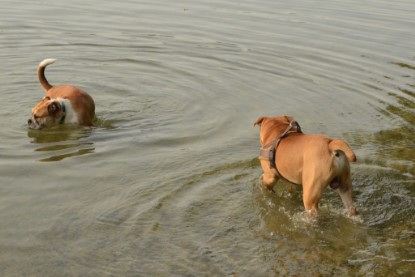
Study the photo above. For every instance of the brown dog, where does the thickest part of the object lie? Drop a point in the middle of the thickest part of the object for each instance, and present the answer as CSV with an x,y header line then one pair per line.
x,y
61,104
315,161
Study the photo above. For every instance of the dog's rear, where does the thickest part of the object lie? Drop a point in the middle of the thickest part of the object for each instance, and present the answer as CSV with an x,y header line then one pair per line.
x,y
338,144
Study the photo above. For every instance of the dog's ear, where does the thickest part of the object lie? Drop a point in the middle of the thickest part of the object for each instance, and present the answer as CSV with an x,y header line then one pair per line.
x,y
288,118
54,107
259,121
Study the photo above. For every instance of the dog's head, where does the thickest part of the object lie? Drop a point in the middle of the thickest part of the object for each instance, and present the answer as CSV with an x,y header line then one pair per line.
x,y
47,113
271,127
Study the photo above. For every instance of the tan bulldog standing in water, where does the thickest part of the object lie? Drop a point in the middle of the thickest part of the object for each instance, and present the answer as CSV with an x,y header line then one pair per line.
x,y
62,104
315,161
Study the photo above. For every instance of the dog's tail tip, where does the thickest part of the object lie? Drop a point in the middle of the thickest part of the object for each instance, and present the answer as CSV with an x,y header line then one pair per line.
x,y
46,62
41,73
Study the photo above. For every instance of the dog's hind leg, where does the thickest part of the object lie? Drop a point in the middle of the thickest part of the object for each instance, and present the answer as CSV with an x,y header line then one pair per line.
x,y
311,196
345,192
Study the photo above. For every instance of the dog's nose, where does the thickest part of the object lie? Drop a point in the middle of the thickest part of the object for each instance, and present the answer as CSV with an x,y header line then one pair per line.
x,y
29,121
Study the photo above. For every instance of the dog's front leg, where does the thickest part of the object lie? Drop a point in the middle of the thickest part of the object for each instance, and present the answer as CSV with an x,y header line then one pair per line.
x,y
269,178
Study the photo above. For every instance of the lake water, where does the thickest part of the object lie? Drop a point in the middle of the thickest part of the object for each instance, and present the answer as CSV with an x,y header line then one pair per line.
x,y
167,181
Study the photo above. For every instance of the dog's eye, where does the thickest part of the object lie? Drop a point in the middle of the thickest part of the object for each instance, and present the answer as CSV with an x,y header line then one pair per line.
x,y
46,98
53,107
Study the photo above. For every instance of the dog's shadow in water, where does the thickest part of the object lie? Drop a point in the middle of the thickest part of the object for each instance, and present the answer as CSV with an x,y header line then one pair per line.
x,y
65,141
62,142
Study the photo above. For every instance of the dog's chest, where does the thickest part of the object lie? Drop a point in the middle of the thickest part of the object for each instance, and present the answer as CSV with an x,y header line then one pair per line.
x,y
70,114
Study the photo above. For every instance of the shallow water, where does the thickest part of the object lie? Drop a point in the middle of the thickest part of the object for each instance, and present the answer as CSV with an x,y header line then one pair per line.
x,y
167,182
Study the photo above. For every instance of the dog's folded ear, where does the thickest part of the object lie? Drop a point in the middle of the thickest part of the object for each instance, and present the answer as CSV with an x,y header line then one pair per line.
x,y
259,121
54,107
288,118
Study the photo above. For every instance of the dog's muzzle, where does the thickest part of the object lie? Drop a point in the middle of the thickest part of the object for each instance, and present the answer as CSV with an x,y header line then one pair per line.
x,y
33,124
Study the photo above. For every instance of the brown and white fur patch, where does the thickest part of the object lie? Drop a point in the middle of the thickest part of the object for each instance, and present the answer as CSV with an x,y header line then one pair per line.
x,y
63,104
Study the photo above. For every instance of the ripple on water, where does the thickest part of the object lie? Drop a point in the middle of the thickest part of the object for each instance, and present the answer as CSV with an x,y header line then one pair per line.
x,y
165,183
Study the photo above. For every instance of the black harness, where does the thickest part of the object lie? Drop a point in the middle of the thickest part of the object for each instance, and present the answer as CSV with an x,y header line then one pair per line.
x,y
269,151
64,113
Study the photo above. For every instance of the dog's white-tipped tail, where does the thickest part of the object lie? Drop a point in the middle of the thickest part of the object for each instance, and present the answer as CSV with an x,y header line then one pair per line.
x,y
46,62
41,73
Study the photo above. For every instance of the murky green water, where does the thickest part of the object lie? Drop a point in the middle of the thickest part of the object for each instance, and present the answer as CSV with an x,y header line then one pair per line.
x,y
167,182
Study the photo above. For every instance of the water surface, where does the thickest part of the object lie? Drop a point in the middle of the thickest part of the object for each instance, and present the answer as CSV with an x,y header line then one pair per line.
x,y
167,181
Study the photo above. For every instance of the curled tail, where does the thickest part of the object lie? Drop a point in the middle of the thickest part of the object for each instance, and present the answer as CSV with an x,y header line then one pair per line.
x,y
41,73
338,144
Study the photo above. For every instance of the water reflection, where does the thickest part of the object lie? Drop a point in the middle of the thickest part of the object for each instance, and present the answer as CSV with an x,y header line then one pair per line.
x,y
396,146
398,142
62,142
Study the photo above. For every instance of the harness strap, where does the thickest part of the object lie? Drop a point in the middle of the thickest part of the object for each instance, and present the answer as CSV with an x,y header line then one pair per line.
x,y
269,151
64,113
